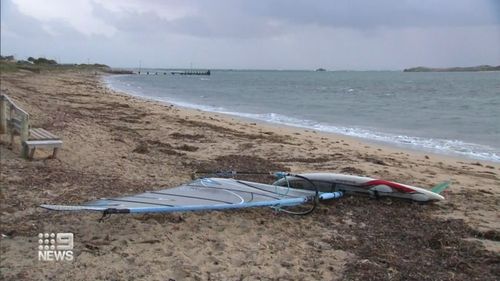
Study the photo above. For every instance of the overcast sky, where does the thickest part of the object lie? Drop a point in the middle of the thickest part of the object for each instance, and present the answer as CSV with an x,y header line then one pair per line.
x,y
255,34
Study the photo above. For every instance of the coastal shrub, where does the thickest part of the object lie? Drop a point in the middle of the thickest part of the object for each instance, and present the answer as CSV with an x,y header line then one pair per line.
x,y
42,61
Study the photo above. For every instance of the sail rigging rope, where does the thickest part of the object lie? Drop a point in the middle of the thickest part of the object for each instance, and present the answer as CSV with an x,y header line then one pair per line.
x,y
284,175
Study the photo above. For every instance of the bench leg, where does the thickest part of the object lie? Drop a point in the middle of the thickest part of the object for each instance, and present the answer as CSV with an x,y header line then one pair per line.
x,y
32,153
25,151
54,153
11,140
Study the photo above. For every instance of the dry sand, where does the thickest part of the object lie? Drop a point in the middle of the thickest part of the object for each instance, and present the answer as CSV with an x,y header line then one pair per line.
x,y
115,144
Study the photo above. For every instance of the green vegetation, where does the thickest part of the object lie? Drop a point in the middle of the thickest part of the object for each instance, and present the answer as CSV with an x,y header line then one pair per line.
x,y
10,64
39,61
454,69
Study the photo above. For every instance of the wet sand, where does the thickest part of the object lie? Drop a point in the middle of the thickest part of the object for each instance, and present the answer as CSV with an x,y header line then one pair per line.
x,y
115,144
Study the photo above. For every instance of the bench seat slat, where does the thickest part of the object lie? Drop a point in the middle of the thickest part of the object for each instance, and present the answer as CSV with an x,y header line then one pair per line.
x,y
34,134
37,134
43,143
41,134
48,134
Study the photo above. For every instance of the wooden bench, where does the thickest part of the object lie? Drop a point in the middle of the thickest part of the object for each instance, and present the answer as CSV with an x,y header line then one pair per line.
x,y
15,121
41,138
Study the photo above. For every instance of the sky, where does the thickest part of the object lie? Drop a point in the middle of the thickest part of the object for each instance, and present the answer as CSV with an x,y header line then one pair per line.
x,y
255,34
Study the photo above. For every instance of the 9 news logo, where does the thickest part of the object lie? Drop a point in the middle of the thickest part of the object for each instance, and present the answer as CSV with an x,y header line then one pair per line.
x,y
55,246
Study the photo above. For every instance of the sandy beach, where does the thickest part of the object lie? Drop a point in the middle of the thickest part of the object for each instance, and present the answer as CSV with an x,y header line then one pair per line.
x,y
115,144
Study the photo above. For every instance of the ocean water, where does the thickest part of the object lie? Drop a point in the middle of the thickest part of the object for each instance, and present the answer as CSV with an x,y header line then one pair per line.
x,y
448,113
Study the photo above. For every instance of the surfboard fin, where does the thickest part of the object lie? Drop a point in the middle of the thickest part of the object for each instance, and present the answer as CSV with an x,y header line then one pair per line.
x,y
440,187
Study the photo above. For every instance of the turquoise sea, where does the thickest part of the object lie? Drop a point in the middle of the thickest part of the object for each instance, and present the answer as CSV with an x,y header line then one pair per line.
x,y
449,113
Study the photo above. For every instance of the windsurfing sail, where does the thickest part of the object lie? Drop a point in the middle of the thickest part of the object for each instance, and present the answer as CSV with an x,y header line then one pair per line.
x,y
203,195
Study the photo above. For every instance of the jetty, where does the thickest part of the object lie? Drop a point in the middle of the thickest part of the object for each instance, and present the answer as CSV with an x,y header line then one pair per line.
x,y
175,72
191,72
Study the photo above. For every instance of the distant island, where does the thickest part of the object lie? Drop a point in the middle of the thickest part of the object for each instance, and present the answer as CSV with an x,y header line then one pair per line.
x,y
320,69
453,69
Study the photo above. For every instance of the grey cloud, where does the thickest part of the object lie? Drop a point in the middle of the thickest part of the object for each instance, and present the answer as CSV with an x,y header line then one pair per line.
x,y
255,18
273,34
361,13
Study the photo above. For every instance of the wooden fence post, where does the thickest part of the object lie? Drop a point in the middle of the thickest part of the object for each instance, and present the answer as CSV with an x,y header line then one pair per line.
x,y
3,115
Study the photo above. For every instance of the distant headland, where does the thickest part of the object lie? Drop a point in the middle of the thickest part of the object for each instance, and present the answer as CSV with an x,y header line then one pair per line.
x,y
454,69
37,65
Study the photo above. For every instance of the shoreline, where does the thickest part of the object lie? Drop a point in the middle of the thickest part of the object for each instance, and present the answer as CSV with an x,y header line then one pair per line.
x,y
381,138
395,147
115,144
